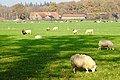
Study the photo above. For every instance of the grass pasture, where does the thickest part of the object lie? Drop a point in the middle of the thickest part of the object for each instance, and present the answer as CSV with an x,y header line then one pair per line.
x,y
22,57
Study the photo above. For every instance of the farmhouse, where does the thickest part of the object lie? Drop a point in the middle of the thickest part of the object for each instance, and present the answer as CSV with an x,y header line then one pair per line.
x,y
43,15
74,16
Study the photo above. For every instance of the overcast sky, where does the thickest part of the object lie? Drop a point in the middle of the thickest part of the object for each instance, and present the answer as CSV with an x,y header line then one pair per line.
x,y
12,2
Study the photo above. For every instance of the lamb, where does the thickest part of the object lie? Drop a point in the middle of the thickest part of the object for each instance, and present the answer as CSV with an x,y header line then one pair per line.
x,y
38,37
26,32
105,43
55,28
83,61
32,22
97,21
74,31
61,21
89,31
48,28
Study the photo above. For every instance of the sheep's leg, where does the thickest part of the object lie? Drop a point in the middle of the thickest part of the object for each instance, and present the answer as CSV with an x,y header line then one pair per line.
x,y
108,48
74,70
92,33
112,48
99,48
93,70
87,70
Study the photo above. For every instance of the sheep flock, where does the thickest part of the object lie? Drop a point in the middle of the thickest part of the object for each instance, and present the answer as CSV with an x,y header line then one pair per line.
x,y
80,60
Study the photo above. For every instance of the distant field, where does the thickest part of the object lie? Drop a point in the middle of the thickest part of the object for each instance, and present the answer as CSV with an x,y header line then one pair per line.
x,y
25,58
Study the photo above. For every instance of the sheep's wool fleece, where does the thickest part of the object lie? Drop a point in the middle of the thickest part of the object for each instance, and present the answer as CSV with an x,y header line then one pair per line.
x,y
38,37
105,43
80,60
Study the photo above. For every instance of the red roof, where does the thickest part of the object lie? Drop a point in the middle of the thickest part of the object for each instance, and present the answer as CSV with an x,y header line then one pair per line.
x,y
44,14
54,14
32,14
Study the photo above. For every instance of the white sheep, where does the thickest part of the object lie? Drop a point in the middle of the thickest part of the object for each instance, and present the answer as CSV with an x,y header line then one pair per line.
x,y
89,31
97,21
74,31
76,21
32,22
48,28
61,21
55,28
26,32
38,37
83,61
105,43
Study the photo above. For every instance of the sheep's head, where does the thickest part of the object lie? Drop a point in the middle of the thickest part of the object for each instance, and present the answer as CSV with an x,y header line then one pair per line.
x,y
23,32
48,29
73,29
94,68
113,48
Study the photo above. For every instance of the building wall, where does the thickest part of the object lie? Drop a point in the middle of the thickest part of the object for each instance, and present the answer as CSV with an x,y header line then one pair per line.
x,y
36,17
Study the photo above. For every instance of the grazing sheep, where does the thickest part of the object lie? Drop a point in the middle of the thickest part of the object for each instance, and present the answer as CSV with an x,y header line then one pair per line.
x,y
74,31
26,32
89,32
61,21
38,37
81,20
56,21
83,61
105,43
97,21
48,29
32,22
76,21
111,21
55,28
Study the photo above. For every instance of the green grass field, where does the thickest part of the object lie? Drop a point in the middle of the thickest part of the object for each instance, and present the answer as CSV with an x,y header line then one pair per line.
x,y
22,57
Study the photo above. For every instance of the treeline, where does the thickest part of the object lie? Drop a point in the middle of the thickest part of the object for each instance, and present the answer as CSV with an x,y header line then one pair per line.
x,y
37,4
94,7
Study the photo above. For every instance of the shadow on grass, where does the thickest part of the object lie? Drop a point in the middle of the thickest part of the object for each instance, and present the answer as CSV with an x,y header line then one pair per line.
x,y
48,57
